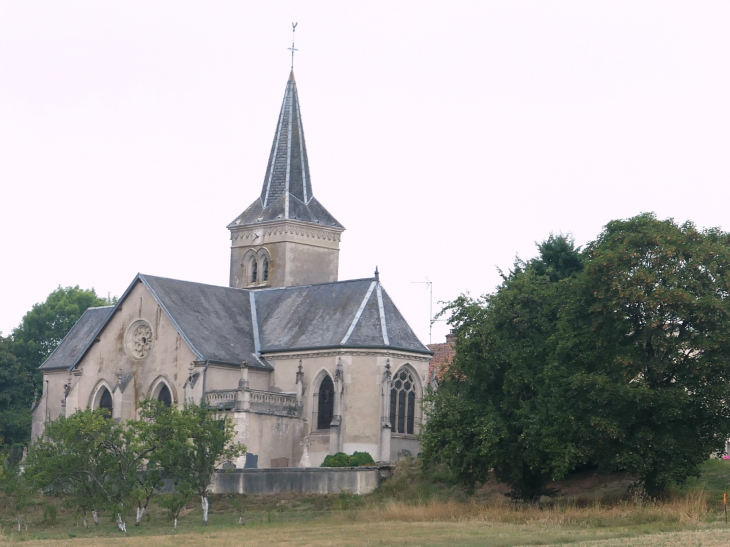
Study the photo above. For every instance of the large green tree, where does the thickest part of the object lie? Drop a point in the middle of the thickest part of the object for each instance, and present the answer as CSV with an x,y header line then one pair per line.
x,y
484,414
15,386
38,334
617,356
646,343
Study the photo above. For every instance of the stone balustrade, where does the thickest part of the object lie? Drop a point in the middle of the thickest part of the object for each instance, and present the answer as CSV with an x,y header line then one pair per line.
x,y
254,400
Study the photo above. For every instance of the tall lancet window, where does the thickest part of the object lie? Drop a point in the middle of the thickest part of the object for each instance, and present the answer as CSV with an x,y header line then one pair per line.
x,y
105,401
403,402
164,396
266,269
254,271
325,403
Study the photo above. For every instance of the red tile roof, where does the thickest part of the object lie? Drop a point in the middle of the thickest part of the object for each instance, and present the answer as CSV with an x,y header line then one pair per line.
x,y
443,354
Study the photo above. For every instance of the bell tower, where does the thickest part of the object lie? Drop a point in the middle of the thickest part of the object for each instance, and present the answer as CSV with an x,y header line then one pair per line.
x,y
285,237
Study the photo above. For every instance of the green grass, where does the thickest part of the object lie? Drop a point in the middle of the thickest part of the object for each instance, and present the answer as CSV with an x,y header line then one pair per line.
x,y
410,509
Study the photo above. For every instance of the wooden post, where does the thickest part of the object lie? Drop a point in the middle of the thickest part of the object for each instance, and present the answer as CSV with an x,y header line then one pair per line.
x,y
724,503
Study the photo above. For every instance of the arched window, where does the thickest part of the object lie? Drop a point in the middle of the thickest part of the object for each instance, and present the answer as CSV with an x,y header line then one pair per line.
x,y
266,269
325,403
164,396
105,401
254,271
403,402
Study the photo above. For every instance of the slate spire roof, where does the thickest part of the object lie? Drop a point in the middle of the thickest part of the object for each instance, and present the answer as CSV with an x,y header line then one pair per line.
x,y
287,189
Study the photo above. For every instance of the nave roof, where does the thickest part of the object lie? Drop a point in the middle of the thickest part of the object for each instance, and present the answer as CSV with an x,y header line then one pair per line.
x,y
228,326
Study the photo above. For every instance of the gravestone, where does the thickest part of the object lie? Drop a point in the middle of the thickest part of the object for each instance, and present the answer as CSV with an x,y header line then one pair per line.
x,y
280,462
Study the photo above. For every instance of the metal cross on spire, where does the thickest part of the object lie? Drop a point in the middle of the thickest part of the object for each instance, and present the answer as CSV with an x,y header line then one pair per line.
x,y
292,48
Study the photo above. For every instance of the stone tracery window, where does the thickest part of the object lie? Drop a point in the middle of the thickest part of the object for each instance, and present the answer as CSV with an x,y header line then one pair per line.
x,y
254,271
403,402
266,269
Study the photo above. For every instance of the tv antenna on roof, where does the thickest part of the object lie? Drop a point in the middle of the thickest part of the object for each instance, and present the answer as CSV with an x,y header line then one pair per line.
x,y
431,318
292,48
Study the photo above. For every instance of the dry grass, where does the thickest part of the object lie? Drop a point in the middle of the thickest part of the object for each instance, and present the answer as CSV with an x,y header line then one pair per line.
x,y
412,510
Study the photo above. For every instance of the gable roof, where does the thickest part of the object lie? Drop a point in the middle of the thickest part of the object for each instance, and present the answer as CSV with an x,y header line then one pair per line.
x,y
81,335
287,188
228,326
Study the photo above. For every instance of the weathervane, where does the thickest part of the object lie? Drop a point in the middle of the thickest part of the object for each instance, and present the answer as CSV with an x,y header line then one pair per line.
x,y
292,48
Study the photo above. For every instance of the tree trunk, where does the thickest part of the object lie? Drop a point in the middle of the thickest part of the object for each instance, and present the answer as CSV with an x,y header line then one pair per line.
x,y
95,514
121,524
204,500
140,513
174,526
86,521
18,522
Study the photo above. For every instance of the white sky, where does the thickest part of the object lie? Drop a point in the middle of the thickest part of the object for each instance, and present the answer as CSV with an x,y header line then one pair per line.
x,y
446,136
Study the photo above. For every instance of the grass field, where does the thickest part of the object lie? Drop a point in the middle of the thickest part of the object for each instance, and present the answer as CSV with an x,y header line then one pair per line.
x,y
409,511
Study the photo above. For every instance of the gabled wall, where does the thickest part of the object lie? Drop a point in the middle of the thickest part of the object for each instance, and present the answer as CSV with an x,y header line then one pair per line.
x,y
109,362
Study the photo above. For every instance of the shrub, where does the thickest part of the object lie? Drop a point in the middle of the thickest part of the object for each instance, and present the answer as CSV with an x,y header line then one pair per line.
x,y
341,459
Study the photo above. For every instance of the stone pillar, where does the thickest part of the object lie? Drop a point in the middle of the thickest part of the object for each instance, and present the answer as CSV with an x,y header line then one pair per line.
x,y
385,425
300,388
117,396
243,397
336,425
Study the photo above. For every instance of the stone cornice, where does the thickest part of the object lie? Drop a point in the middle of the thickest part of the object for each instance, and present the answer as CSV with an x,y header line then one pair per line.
x,y
282,230
335,353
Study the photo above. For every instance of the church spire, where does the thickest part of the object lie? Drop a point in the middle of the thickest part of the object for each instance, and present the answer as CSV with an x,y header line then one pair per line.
x,y
285,237
287,172
287,189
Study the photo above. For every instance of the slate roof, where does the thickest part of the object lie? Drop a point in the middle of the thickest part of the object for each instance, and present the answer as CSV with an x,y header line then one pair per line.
x,y
78,338
228,326
287,188
215,321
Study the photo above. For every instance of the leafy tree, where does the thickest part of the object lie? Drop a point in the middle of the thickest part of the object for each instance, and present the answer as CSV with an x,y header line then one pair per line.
x,y
647,345
176,501
15,384
71,460
16,487
618,357
100,463
203,440
484,415
38,334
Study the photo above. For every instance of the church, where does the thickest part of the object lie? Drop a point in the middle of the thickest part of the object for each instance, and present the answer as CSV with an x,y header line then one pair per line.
x,y
305,365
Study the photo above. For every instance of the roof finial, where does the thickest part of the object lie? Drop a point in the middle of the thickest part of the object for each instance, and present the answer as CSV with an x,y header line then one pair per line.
x,y
292,48
377,275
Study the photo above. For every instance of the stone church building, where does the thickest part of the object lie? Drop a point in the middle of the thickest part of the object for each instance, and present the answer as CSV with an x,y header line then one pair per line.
x,y
306,365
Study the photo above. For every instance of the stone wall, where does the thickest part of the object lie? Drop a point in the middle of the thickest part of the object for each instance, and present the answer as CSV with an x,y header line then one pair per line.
x,y
310,480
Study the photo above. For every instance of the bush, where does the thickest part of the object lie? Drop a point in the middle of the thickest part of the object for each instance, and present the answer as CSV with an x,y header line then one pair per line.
x,y
358,459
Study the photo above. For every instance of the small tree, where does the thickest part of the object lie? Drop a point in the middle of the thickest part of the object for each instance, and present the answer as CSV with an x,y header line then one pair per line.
x,y
71,460
17,488
203,439
176,501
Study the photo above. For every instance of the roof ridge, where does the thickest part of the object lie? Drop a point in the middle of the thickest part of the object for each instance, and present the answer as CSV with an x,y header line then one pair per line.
x,y
314,284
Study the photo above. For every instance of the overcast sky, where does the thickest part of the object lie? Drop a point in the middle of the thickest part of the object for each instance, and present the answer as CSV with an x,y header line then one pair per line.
x,y
446,136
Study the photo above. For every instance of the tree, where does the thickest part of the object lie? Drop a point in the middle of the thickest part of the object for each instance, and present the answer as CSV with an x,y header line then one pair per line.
x,y
487,403
15,385
16,487
203,440
616,357
101,463
71,460
647,344
38,334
